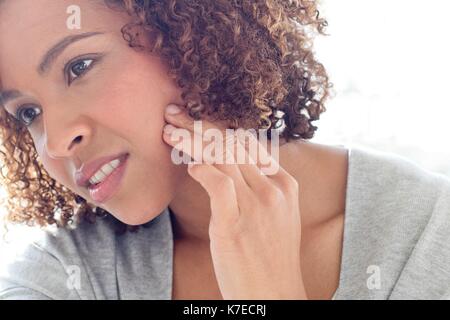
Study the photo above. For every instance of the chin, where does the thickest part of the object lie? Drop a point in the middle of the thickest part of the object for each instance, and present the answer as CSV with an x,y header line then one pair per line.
x,y
133,218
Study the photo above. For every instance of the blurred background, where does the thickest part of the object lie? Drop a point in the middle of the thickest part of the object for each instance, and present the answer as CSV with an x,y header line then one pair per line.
x,y
389,61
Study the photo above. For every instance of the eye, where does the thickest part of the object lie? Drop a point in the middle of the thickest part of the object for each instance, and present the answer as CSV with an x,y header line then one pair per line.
x,y
78,68
27,113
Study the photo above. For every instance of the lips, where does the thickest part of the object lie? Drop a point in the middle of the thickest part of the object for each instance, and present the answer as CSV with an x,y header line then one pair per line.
x,y
87,170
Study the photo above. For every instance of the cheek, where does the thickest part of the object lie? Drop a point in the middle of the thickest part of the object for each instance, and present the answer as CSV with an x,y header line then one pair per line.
x,y
133,110
131,107
57,170
135,101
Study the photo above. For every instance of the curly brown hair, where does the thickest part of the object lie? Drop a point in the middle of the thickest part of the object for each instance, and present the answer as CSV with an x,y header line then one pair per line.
x,y
240,61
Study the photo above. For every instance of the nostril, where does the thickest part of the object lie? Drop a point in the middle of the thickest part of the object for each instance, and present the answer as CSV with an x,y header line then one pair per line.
x,y
75,141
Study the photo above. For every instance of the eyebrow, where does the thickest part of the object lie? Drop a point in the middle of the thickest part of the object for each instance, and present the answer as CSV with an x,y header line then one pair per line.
x,y
46,62
7,95
49,58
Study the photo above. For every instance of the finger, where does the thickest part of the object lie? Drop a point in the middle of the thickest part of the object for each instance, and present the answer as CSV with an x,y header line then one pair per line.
x,y
224,153
251,172
222,193
258,151
192,144
178,117
268,166
266,160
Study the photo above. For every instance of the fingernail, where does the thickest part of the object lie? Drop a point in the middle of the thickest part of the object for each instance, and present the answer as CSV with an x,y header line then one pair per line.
x,y
168,128
173,109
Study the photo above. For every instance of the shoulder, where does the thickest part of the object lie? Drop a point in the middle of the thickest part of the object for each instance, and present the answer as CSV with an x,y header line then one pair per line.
x,y
388,166
393,185
397,219
90,262
50,263
46,263
321,171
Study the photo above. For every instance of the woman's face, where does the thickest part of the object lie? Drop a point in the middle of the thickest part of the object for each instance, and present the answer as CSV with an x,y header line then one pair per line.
x,y
97,97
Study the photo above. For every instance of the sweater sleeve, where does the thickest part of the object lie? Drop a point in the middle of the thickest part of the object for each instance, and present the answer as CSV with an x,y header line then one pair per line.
x,y
89,262
32,273
396,235
21,293
426,274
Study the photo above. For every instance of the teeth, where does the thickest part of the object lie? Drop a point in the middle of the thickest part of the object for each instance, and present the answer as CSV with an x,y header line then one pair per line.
x,y
104,171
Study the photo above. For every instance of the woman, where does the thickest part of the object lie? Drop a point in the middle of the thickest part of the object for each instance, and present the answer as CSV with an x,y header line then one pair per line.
x,y
331,222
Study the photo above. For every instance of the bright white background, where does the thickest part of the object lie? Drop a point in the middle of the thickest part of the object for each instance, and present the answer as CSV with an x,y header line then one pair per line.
x,y
389,61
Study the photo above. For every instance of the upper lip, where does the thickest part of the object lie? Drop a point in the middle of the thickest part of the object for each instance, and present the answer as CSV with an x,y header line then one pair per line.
x,y
87,170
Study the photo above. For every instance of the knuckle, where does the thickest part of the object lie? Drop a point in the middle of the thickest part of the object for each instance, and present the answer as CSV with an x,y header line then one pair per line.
x,y
186,122
289,183
230,140
272,195
225,182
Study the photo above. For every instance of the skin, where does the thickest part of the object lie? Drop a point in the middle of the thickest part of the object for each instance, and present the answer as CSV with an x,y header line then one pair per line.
x,y
89,108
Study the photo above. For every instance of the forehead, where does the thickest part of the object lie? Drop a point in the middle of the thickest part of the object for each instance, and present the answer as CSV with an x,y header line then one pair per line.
x,y
37,20
29,27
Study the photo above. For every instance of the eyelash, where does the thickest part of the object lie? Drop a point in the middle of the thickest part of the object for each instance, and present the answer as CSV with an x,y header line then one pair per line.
x,y
67,70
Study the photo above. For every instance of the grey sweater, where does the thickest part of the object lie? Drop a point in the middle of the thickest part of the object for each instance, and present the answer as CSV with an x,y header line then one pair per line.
x,y
396,244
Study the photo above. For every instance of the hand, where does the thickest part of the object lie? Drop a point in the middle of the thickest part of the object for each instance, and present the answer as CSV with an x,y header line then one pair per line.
x,y
255,227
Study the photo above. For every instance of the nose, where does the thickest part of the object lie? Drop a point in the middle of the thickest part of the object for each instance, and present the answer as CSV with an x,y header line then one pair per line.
x,y
66,135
